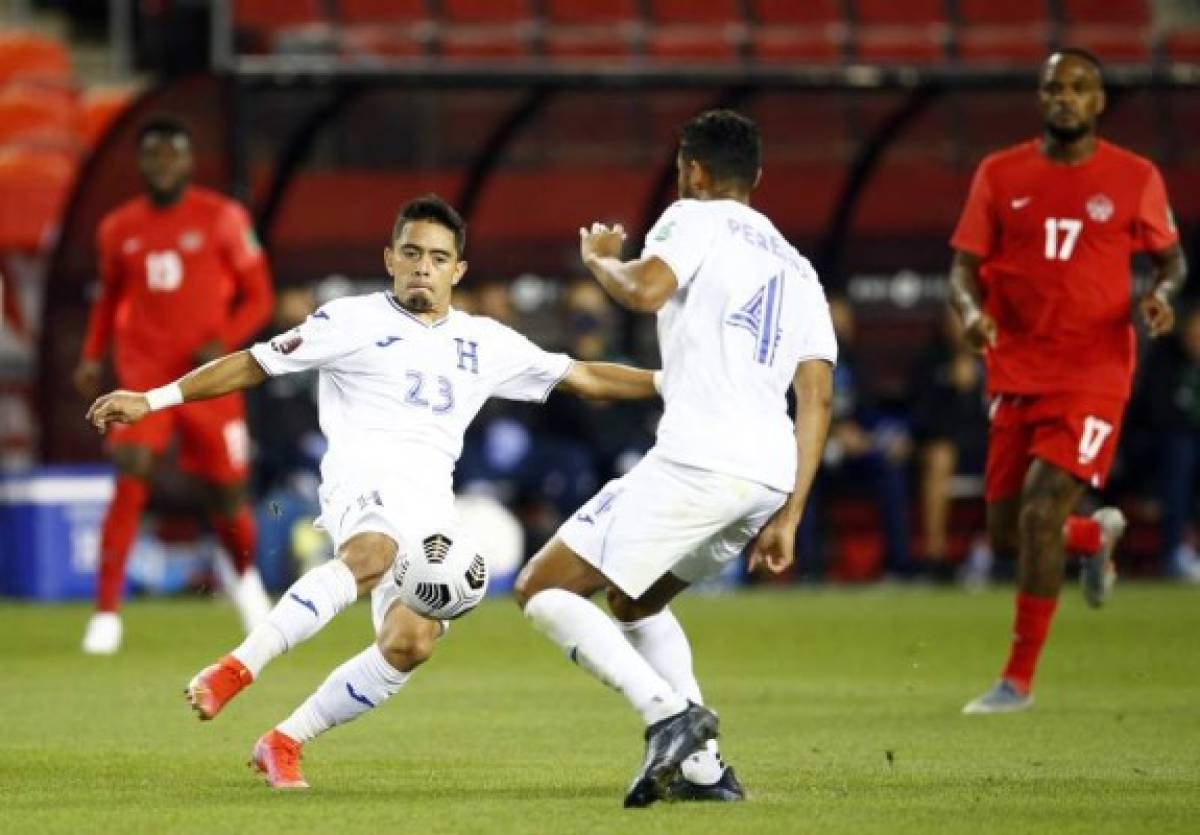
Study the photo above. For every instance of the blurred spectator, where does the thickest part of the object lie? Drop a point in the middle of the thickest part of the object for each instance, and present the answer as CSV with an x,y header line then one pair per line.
x,y
865,445
1168,404
949,421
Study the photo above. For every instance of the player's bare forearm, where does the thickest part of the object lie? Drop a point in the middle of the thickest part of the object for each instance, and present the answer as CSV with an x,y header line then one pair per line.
x,y
813,384
1170,271
608,381
232,372
964,285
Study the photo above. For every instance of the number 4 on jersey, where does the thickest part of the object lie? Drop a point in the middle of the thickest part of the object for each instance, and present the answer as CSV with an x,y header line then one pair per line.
x,y
760,316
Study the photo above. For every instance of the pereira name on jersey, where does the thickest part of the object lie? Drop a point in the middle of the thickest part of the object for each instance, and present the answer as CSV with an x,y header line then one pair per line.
x,y
1055,242
748,310
396,394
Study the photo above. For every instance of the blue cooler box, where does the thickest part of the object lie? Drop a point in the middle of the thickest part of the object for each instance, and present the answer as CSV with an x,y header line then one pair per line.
x,y
50,520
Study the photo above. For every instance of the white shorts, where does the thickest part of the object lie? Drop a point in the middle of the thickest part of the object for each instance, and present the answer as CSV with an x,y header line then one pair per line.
x,y
665,517
394,509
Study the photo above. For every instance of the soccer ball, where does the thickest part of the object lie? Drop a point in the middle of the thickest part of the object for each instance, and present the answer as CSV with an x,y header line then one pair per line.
x,y
440,575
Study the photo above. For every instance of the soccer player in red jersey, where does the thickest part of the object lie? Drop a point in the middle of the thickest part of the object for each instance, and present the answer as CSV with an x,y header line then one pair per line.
x,y
183,281
1041,278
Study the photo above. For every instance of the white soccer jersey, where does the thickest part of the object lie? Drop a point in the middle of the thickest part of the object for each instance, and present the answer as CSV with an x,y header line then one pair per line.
x,y
748,310
396,394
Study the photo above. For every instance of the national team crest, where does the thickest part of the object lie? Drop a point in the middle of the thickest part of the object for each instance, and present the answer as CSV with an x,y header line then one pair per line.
x,y
1100,208
285,343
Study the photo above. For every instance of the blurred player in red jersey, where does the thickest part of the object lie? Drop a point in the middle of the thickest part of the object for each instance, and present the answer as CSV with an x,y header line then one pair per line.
x,y
183,281
1041,278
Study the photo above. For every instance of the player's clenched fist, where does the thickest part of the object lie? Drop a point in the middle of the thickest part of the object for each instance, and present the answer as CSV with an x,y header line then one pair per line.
x,y
118,407
601,241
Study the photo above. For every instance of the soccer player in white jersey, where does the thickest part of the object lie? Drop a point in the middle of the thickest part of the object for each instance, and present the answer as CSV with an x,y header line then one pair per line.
x,y
401,376
741,317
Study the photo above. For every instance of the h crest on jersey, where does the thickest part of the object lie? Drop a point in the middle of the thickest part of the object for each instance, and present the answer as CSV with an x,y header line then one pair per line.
x,y
468,354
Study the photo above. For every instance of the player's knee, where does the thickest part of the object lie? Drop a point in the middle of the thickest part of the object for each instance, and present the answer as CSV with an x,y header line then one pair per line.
x,y
1040,515
368,556
409,645
527,584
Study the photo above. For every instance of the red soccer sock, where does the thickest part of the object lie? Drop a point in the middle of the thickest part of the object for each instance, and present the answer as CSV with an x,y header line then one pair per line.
x,y
120,527
1081,535
1033,618
238,534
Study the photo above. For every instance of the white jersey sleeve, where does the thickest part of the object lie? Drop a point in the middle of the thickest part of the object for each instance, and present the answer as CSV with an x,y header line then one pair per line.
x,y
681,238
323,338
526,372
817,341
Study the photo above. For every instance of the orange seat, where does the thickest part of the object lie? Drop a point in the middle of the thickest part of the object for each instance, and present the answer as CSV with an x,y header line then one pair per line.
x,y
487,29
1012,32
25,56
98,109
383,11
912,32
577,30
32,116
34,184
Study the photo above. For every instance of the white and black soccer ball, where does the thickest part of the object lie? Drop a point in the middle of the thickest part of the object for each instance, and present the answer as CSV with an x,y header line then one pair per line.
x,y
440,575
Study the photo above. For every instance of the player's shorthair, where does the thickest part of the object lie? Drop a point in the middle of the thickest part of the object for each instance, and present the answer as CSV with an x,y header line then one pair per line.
x,y
1082,54
434,209
725,143
164,125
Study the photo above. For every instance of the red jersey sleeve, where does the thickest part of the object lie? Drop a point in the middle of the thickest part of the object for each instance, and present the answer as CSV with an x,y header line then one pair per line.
x,y
1156,225
104,309
241,251
976,229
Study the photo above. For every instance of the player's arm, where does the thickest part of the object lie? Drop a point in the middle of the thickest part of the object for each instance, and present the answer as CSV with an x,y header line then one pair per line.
x,y
1170,272
88,372
608,381
232,372
255,296
644,284
967,299
775,544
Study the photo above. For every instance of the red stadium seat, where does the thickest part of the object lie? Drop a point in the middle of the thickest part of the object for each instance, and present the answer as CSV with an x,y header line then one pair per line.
x,y
487,29
25,56
681,30
98,109
1012,32
1182,45
589,11
34,184
783,31
34,116
912,32
269,15
689,11
582,30
383,11
1117,31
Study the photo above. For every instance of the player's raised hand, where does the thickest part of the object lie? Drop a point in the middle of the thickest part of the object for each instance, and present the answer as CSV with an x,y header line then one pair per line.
x,y
601,241
1157,313
981,333
775,545
117,407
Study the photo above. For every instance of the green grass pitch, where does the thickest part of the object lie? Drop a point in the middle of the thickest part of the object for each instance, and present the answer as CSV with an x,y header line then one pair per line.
x,y
840,710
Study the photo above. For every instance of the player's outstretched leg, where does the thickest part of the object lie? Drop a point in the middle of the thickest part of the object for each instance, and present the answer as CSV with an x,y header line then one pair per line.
x,y
660,639
104,631
1098,574
361,684
305,608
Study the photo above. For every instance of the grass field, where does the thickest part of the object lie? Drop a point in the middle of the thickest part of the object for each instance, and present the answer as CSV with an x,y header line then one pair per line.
x,y
840,710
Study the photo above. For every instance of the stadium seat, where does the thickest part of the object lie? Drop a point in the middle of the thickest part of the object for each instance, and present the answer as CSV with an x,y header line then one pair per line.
x,y
25,56
382,11
33,188
487,29
782,31
1013,32
1118,31
98,109
1182,45
35,116
912,32
264,25
576,30
681,30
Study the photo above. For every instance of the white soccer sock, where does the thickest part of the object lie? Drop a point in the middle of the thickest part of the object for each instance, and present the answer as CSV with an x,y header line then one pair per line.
x,y
303,611
364,682
660,639
593,641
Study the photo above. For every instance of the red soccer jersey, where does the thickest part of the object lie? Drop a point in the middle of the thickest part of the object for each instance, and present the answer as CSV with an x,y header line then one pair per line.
x,y
1055,242
173,280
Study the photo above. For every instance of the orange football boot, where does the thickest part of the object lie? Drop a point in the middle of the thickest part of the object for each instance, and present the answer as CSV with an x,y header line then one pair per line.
x,y
212,688
277,757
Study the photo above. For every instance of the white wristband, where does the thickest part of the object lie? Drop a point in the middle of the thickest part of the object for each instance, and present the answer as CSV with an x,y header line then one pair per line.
x,y
164,397
971,317
657,377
